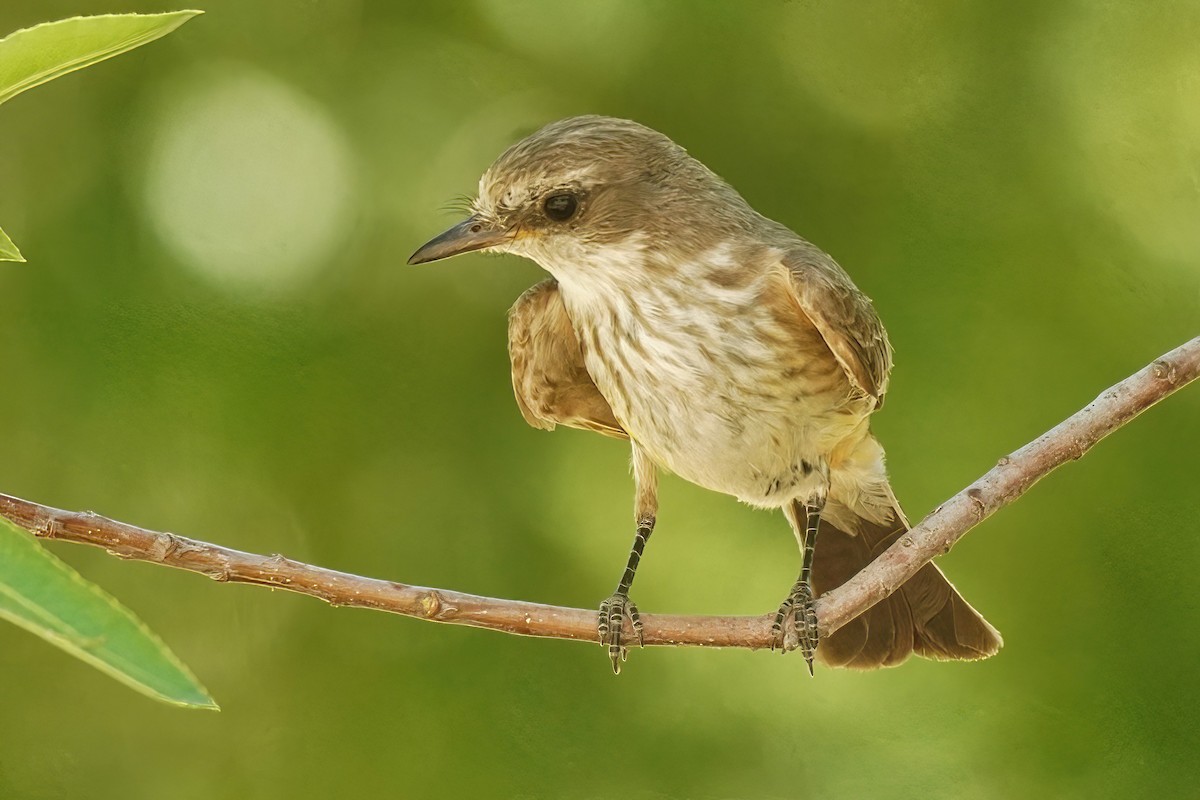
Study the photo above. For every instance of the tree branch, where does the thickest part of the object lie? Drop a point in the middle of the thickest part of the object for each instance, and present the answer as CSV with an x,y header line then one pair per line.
x,y
936,534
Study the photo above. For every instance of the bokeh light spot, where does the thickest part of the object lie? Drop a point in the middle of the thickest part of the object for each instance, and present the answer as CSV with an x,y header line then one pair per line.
x,y
604,39
248,182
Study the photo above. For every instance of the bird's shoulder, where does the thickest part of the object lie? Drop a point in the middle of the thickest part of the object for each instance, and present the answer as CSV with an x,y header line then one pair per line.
x,y
550,379
845,317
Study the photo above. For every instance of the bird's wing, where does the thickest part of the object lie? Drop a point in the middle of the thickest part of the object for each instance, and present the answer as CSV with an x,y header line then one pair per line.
x,y
550,380
844,316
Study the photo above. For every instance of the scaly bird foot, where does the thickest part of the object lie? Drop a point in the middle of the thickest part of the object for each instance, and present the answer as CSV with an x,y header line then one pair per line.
x,y
796,624
613,612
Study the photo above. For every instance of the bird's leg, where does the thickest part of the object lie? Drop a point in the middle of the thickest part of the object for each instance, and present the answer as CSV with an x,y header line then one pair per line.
x,y
615,609
796,621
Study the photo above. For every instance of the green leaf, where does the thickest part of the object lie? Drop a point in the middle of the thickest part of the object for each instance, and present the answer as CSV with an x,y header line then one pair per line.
x,y
47,597
8,250
32,56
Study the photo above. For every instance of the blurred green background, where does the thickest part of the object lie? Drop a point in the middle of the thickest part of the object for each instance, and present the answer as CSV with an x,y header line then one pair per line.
x,y
216,335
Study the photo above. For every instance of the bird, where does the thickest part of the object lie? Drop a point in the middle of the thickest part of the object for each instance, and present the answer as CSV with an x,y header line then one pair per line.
x,y
726,349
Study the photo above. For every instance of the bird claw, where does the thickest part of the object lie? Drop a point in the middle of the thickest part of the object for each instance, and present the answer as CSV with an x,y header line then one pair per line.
x,y
611,627
795,624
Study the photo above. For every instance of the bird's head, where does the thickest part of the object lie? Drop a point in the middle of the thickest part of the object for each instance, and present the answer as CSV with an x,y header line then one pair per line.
x,y
582,189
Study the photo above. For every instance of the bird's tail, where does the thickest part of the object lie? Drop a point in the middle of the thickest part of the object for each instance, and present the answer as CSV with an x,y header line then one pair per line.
x,y
926,616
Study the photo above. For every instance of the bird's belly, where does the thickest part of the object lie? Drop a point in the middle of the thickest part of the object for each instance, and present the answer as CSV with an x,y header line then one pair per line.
x,y
739,414
763,453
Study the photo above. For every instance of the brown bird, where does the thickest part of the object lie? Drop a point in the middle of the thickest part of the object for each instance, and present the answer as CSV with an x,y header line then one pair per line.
x,y
726,349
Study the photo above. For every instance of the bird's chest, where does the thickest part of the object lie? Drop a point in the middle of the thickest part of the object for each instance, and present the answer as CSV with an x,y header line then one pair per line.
x,y
716,382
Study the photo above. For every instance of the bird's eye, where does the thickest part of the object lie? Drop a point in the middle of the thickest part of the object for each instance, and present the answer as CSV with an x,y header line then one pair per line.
x,y
561,207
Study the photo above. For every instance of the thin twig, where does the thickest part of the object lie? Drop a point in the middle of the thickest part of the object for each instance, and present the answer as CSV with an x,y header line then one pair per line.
x,y
936,534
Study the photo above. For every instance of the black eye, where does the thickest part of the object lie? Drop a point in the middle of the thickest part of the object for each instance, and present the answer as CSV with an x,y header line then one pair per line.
x,y
561,207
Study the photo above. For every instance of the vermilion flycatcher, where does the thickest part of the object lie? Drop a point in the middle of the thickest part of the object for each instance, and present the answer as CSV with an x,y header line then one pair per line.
x,y
726,348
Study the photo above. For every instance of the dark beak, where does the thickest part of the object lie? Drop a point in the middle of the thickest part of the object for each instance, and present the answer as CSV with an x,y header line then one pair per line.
x,y
473,233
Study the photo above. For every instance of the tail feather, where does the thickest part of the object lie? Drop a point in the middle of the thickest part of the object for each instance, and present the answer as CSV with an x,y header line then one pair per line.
x,y
926,616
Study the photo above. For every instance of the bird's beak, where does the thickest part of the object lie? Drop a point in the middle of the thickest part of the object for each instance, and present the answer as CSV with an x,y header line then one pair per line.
x,y
473,233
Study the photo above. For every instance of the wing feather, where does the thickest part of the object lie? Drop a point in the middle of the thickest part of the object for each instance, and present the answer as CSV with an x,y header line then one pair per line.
x,y
550,381
844,316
